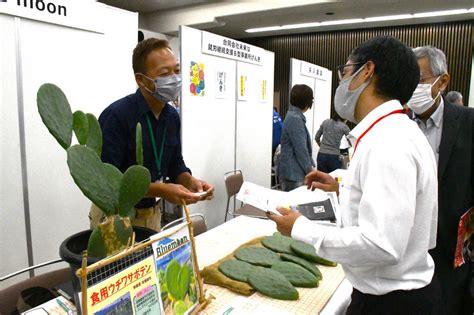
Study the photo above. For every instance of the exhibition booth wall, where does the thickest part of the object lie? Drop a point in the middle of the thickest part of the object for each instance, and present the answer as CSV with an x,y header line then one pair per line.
x,y
87,53
226,113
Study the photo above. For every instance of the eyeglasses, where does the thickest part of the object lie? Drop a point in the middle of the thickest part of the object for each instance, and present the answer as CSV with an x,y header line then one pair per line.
x,y
341,68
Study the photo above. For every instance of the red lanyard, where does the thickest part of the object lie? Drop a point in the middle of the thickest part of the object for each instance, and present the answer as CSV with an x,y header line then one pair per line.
x,y
398,111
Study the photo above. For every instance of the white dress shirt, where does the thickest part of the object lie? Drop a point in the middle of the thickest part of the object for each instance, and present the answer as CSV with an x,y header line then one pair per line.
x,y
433,128
388,208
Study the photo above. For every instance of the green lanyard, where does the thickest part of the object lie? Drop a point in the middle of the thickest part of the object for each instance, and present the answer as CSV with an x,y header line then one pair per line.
x,y
153,144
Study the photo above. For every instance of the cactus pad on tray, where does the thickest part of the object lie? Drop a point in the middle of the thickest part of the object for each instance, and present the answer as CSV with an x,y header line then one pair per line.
x,y
257,256
308,252
297,275
236,269
273,284
278,243
303,263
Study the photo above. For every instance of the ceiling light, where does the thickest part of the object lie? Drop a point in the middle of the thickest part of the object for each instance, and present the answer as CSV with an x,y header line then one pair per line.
x,y
303,25
440,13
388,18
339,22
364,20
263,29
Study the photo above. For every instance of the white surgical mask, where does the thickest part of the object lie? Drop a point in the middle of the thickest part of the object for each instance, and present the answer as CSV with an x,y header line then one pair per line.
x,y
345,100
166,88
421,99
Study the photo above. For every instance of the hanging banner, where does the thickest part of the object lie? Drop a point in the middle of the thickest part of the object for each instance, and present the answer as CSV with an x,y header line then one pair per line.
x,y
220,46
85,15
313,71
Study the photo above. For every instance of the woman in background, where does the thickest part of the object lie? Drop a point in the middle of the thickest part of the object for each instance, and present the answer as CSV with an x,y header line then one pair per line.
x,y
332,131
295,159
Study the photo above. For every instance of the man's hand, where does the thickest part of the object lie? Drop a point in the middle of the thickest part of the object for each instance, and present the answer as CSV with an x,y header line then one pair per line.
x,y
286,221
196,185
208,188
321,180
176,193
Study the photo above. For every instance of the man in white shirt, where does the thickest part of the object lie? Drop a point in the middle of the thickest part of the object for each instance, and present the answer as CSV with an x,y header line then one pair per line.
x,y
388,197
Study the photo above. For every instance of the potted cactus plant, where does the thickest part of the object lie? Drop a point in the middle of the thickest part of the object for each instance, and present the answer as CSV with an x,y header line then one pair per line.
x,y
114,192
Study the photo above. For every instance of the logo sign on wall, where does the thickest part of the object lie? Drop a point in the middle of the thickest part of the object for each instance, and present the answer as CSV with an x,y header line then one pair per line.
x,y
313,71
85,15
220,46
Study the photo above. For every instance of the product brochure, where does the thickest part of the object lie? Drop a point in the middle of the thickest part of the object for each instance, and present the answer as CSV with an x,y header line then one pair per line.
x,y
316,205
175,272
133,290
465,242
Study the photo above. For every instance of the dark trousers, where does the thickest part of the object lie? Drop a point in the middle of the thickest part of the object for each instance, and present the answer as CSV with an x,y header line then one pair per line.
x,y
328,162
424,301
455,286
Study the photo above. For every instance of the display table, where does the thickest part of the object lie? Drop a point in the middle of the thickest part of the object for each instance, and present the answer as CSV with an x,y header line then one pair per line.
x,y
224,239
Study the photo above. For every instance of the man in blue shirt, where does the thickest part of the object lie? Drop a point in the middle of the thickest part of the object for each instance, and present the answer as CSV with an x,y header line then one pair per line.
x,y
157,75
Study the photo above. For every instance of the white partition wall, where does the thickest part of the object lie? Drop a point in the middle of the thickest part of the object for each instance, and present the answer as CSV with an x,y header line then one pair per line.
x,y
319,79
94,69
226,120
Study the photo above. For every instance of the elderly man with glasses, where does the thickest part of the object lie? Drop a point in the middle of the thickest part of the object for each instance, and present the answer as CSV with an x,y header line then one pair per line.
x,y
450,132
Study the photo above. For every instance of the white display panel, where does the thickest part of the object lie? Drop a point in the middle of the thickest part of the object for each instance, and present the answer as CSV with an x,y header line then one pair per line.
x,y
93,69
319,79
208,124
219,132
12,220
255,122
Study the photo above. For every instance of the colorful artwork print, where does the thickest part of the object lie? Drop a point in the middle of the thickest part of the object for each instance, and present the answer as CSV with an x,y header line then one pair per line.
x,y
196,73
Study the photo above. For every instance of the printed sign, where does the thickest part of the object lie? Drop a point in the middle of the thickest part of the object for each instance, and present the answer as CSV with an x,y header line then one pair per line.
x,y
221,84
262,95
176,275
85,15
220,46
313,71
134,290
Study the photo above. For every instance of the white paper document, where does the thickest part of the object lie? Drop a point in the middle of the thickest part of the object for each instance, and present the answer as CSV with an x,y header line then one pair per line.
x,y
268,199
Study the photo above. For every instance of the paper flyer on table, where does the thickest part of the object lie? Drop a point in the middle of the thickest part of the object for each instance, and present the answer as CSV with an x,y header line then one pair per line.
x,y
268,199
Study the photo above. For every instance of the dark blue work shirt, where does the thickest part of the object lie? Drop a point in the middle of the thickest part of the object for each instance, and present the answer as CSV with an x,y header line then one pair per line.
x,y
118,123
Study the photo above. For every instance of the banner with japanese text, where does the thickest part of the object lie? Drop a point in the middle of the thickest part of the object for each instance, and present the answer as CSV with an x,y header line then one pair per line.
x,y
230,48
134,290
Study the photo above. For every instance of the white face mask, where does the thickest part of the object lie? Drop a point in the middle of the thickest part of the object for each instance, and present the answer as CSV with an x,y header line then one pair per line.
x,y
421,99
345,100
166,88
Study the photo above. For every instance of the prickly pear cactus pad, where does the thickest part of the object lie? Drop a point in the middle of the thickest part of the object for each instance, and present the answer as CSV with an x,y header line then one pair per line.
x,y
297,275
303,263
278,243
308,252
273,284
236,269
55,113
257,256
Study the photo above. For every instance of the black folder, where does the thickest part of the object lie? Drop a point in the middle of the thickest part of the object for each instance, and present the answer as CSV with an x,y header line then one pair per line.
x,y
319,210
